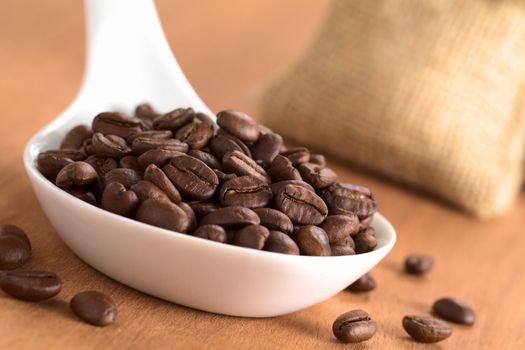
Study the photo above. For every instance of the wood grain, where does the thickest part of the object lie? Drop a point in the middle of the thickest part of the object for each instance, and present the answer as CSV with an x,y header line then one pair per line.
x,y
228,50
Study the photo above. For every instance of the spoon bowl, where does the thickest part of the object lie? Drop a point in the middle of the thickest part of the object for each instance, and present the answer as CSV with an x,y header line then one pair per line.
x,y
129,61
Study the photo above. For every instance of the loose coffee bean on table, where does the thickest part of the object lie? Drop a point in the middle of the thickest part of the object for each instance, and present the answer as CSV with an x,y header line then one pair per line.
x,y
365,283
454,310
354,327
184,172
426,329
31,285
15,248
94,307
418,264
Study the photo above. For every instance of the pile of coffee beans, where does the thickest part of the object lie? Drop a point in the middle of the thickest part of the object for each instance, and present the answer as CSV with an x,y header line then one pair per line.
x,y
15,248
232,181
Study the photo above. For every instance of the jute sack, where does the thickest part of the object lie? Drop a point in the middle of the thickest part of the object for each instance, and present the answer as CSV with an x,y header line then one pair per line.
x,y
427,92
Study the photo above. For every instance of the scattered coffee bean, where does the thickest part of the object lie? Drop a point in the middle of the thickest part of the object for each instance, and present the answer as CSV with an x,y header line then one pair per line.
x,y
251,236
418,264
365,283
312,240
94,308
354,327
31,285
15,248
211,232
280,242
426,329
454,310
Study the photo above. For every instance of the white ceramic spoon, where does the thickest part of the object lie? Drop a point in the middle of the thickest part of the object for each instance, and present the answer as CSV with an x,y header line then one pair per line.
x,y
129,61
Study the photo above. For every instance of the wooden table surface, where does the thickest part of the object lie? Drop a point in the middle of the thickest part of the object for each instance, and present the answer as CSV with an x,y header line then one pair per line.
x,y
228,50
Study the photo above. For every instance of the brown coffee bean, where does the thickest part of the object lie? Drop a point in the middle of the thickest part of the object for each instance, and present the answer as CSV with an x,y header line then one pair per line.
x,y
159,157
141,145
282,169
102,165
347,199
110,146
15,248
149,134
245,191
301,205
364,284
312,240
317,176
74,139
130,162
87,147
231,216
211,232
251,236
280,242
145,110
192,177
82,194
147,190
127,177
174,120
426,329
454,310
223,177
339,227
418,264
365,222
267,148
190,214
201,209
240,164
221,144
318,159
118,200
354,327
31,285
206,119
208,158
157,177
164,214
94,308
298,155
278,186
49,163
78,174
274,220
195,134
339,249
112,123
238,124
365,240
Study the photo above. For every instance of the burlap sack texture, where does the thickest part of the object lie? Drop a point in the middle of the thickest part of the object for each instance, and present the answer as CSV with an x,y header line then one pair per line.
x,y
427,92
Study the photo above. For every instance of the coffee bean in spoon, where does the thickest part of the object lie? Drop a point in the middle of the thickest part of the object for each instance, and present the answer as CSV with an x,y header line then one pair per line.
x,y
312,240
94,308
31,285
15,247
76,174
354,327
280,242
247,191
426,329
454,310
75,137
238,124
416,264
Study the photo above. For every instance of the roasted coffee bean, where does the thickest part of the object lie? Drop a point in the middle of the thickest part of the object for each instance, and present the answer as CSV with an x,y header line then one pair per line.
x,y
278,186
418,264
223,177
426,329
159,157
339,227
78,174
75,137
211,232
141,145
193,178
102,165
267,147
147,190
221,144
240,164
317,176
174,120
354,326
206,119
110,146
15,247
130,162
146,114
113,123
127,177
365,240
31,285
365,283
49,163
454,310
280,242
282,169
274,220
208,158
238,124
365,223
341,249
318,159
164,214
347,198
82,194
298,155
251,236
156,176
301,205
190,214
149,134
118,200
245,191
312,240
195,134
231,216
201,209
87,147
94,308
